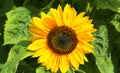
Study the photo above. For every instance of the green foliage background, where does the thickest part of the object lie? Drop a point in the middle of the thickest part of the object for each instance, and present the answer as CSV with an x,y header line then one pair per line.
x,y
15,15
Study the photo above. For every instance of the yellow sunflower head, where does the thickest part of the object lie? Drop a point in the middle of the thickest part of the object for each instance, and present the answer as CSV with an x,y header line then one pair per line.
x,y
61,39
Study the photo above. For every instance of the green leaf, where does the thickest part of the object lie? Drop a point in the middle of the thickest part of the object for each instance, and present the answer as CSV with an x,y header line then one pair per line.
x,y
114,37
71,71
17,53
113,5
101,48
116,22
86,68
24,67
42,69
16,27
49,5
102,14
80,71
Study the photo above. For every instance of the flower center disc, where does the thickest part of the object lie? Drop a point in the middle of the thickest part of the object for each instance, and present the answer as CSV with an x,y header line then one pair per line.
x,y
62,40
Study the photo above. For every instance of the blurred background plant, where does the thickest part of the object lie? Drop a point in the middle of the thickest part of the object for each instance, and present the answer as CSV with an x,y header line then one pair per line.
x,y
15,15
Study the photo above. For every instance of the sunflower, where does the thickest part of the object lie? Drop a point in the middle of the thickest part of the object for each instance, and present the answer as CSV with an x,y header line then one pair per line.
x,y
61,38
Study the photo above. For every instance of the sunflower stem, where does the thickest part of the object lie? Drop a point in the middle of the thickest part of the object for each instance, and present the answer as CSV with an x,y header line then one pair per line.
x,y
93,12
48,6
25,2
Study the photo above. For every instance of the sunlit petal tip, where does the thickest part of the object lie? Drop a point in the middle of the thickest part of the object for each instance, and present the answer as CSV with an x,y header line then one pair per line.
x,y
86,17
92,52
74,11
90,21
77,68
82,14
67,6
29,25
38,61
35,19
43,64
94,30
29,48
47,68
42,14
94,39
52,10
86,59
59,7
34,56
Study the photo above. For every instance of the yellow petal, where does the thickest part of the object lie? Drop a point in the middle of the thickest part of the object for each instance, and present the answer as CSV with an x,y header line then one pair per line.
x,y
38,23
44,56
87,37
60,15
73,61
37,45
36,38
82,56
86,47
78,52
78,57
55,66
48,21
68,15
64,63
85,58
85,28
56,14
49,63
36,31
78,19
40,52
